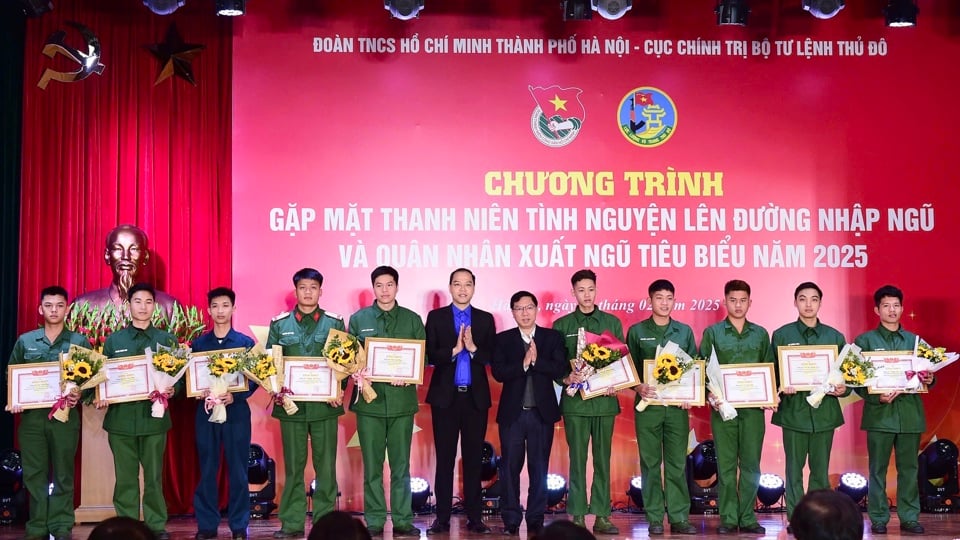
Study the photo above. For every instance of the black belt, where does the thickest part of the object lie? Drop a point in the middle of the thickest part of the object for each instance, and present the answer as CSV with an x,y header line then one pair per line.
x,y
463,388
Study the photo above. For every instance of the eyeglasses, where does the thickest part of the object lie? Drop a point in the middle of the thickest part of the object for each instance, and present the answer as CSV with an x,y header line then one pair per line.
x,y
529,307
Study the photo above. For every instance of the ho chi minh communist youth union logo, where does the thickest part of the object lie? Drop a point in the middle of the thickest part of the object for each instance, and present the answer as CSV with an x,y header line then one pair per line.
x,y
647,117
558,116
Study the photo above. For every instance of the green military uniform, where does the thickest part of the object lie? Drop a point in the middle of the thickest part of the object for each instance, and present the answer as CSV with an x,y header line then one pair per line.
x,y
586,419
47,443
807,432
304,334
136,438
662,431
738,441
894,426
385,425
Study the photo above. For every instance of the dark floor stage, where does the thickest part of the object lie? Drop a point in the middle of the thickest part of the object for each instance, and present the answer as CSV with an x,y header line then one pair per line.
x,y
939,526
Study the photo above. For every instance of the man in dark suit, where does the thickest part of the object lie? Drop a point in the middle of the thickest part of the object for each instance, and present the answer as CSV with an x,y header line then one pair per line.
x,y
460,341
527,360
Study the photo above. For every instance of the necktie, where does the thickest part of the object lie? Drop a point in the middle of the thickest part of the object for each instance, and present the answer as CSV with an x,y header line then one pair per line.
x,y
462,375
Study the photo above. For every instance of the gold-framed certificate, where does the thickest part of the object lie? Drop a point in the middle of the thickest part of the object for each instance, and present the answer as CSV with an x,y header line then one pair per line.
x,y
620,374
688,389
128,379
395,360
805,367
893,371
309,378
198,375
33,386
748,385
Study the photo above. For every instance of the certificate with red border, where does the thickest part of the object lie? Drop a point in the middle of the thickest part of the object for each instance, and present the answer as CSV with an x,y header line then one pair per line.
x,y
198,376
395,360
805,367
890,371
129,379
748,385
689,389
309,378
33,386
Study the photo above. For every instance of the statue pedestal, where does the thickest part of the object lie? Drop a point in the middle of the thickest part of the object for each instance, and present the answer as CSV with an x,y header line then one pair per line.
x,y
96,469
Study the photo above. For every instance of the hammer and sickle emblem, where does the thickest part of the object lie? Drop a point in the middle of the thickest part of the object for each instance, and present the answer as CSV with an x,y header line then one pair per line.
x,y
89,61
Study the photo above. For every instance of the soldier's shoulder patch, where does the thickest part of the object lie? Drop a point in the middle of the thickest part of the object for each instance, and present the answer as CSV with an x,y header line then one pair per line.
x,y
333,315
280,316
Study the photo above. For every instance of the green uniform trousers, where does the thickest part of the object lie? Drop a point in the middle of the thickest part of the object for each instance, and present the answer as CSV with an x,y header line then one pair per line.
x,y
130,452
48,443
379,435
323,443
799,446
738,442
662,434
580,430
905,447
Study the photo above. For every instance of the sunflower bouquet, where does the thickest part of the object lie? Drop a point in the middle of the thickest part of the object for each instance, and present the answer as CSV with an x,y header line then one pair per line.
x,y
266,368
835,378
80,369
223,369
670,364
346,357
169,366
594,353
855,370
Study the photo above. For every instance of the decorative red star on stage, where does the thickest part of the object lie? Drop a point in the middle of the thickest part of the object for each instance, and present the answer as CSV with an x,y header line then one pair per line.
x,y
175,56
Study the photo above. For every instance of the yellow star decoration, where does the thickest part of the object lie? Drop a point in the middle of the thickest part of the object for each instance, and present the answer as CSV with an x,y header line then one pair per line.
x,y
558,103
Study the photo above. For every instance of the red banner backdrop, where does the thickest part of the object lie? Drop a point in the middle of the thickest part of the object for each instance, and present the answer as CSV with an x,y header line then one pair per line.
x,y
116,148
502,139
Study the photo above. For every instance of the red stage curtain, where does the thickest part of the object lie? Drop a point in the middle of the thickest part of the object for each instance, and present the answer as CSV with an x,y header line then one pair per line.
x,y
115,148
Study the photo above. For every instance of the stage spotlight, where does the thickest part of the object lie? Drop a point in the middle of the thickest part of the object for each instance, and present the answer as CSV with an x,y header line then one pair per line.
x,y
854,485
420,489
823,9
35,8
163,7
556,489
12,496
937,477
261,477
732,12
231,8
636,492
489,462
702,478
771,489
612,9
403,9
900,13
577,10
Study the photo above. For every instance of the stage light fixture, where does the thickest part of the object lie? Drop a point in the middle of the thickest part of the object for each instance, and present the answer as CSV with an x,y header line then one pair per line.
x,y
901,13
854,485
732,12
577,10
635,492
771,490
403,9
489,462
164,7
13,503
556,489
35,8
261,477
823,9
231,8
420,491
702,478
937,477
612,9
